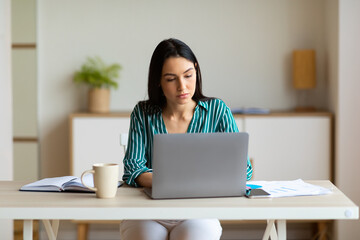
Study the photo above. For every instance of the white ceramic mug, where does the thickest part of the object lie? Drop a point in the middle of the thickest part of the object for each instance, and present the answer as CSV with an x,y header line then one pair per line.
x,y
106,178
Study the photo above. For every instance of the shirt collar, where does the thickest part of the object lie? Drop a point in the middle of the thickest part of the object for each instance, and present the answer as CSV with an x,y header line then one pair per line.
x,y
204,105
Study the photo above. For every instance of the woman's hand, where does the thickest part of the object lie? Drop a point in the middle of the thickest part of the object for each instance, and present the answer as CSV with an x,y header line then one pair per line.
x,y
144,179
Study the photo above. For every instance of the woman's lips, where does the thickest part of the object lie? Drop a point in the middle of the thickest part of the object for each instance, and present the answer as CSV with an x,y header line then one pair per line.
x,y
185,95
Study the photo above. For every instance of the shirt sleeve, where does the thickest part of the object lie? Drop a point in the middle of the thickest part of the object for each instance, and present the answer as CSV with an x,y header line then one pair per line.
x,y
228,124
134,159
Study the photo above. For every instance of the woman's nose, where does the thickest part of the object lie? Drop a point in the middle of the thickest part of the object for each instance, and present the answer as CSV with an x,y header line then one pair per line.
x,y
181,84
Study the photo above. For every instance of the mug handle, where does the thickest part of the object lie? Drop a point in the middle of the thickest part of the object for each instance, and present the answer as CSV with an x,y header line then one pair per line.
x,y
82,175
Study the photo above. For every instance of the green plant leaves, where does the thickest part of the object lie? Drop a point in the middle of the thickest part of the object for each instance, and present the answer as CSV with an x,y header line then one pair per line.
x,y
97,74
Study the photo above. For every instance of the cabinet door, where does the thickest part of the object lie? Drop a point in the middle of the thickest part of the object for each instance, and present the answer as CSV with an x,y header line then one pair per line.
x,y
287,148
240,123
97,140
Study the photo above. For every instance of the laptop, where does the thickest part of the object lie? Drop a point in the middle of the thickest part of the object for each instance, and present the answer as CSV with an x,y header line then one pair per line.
x,y
196,165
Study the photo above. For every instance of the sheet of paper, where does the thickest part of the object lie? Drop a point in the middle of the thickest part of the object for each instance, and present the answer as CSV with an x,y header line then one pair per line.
x,y
290,188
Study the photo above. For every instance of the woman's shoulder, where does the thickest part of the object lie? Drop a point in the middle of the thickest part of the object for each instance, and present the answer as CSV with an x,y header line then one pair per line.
x,y
215,103
145,108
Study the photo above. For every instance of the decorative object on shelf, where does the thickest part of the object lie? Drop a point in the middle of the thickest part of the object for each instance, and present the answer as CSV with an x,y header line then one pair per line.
x,y
304,76
100,78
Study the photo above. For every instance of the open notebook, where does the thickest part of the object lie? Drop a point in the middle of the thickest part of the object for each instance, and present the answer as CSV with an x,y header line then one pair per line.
x,y
62,184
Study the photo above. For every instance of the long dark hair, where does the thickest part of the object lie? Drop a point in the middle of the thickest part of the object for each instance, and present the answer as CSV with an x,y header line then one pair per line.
x,y
169,48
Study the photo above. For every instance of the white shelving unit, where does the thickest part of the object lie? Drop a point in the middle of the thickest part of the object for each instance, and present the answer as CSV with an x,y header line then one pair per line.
x,y
283,146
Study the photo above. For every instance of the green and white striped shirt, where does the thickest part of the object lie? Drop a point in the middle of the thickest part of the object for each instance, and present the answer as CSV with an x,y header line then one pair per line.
x,y
209,116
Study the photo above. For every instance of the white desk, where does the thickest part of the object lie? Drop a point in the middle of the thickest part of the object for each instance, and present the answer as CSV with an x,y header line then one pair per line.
x,y
131,203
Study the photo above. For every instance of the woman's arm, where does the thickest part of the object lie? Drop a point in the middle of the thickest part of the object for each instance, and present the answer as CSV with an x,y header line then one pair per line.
x,y
135,162
144,179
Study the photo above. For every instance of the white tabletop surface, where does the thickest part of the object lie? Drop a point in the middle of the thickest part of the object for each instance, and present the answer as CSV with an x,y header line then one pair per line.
x,y
132,203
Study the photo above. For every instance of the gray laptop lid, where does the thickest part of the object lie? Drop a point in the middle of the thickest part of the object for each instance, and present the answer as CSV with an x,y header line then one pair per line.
x,y
199,165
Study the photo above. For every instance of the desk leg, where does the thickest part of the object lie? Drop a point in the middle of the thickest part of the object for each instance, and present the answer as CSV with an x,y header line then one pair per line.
x,y
55,227
270,231
51,229
28,229
281,229
275,233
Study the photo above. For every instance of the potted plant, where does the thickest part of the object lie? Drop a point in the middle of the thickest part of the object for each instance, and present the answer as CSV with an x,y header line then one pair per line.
x,y
100,78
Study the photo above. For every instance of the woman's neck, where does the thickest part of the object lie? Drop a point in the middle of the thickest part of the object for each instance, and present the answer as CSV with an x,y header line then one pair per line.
x,y
179,111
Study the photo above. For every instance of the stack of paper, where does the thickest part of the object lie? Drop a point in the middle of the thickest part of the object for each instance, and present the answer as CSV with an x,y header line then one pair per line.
x,y
290,188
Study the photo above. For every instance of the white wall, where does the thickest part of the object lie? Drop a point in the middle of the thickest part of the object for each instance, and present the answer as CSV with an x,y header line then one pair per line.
x,y
348,112
5,92
243,47
6,154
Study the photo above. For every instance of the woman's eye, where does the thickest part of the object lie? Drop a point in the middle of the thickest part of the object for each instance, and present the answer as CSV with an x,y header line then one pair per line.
x,y
188,76
170,79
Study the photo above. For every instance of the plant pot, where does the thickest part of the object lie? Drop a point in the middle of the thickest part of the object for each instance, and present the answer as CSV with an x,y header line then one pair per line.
x,y
99,100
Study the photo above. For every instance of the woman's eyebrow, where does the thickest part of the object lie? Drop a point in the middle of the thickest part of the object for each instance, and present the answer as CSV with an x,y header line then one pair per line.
x,y
189,69
172,74
169,74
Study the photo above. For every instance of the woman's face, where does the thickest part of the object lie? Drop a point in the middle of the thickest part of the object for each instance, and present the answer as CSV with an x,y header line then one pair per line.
x,y
178,80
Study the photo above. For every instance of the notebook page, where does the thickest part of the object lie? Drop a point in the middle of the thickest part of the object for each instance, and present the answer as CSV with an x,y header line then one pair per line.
x,y
56,181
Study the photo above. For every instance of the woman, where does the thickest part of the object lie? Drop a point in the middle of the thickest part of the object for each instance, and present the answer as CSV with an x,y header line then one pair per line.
x,y
175,105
